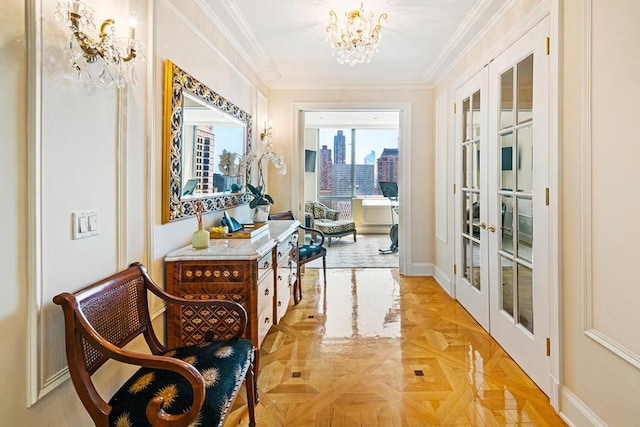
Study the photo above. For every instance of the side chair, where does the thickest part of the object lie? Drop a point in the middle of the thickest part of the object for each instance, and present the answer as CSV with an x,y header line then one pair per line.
x,y
185,386
307,252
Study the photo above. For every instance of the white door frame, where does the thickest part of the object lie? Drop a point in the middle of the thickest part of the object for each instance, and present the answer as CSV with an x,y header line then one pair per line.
x,y
404,146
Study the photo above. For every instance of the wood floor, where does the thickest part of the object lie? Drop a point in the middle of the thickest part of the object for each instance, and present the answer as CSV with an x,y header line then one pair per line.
x,y
380,349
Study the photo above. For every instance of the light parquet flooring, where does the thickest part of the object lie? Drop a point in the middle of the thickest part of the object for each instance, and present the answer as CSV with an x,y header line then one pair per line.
x,y
380,349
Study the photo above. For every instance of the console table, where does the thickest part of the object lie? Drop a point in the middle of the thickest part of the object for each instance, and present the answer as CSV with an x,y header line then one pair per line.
x,y
258,272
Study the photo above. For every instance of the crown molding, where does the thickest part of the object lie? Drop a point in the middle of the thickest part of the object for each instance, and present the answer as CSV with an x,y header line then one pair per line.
x,y
226,16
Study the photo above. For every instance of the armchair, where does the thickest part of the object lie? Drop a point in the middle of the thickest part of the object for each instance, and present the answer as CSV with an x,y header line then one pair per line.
x,y
307,252
173,387
328,221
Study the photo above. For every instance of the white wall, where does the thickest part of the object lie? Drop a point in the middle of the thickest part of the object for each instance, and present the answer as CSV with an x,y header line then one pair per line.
x,y
13,175
65,148
99,151
600,206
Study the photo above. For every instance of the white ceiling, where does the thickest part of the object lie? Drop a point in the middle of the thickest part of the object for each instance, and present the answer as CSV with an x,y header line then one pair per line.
x,y
284,40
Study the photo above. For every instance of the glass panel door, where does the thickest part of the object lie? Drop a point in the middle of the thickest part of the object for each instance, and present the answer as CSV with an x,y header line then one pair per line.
x,y
472,261
519,312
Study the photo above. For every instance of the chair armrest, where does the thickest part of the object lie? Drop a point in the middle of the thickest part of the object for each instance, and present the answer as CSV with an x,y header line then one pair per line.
x,y
314,232
236,310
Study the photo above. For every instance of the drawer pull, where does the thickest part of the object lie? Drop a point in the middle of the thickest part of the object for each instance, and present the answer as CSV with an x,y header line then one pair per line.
x,y
279,254
266,264
267,320
279,277
266,291
279,303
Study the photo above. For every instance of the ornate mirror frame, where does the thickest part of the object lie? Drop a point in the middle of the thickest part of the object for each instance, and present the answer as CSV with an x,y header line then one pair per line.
x,y
177,82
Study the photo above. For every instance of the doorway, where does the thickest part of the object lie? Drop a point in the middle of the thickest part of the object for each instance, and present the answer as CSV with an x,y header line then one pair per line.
x,y
307,113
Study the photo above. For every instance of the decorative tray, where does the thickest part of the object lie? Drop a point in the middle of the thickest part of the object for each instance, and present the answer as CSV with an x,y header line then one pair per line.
x,y
247,231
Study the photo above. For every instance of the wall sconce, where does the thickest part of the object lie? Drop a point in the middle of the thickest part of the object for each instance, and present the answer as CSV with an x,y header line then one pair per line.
x,y
110,57
267,133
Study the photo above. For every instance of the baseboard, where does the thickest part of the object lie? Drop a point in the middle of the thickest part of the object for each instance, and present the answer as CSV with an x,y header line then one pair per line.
x,y
576,413
443,280
420,269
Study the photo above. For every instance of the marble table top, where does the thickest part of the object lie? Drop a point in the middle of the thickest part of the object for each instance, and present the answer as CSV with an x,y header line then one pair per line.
x,y
238,249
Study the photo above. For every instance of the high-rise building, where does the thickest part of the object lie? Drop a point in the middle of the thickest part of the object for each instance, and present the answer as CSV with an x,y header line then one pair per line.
x,y
339,148
341,180
325,169
370,159
387,165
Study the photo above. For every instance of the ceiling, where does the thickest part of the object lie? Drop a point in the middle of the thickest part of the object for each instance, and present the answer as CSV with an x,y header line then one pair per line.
x,y
284,40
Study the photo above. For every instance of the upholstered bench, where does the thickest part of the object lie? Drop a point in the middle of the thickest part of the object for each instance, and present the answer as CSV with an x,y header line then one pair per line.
x,y
327,220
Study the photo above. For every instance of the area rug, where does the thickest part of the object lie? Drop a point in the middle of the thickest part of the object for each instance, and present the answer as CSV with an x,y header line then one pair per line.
x,y
364,253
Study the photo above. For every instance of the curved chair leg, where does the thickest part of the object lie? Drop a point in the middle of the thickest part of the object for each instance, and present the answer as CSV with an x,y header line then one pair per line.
x,y
299,287
297,292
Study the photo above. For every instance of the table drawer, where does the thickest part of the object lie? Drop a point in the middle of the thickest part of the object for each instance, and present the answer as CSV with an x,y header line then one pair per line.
x,y
265,292
265,266
265,321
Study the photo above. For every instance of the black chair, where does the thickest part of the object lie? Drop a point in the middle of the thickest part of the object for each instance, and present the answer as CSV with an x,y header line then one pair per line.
x,y
307,252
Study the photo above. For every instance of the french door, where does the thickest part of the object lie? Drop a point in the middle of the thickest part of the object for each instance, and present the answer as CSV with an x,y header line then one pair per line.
x,y
472,281
518,129
508,249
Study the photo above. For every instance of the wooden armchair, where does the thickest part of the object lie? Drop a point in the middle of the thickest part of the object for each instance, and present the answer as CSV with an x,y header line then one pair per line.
x,y
187,386
307,252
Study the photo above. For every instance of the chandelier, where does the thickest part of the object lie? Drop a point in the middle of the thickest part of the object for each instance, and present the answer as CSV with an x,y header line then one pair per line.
x,y
356,39
109,58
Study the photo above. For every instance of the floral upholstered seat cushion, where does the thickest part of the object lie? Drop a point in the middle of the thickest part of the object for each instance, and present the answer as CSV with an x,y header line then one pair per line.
x,y
214,361
337,227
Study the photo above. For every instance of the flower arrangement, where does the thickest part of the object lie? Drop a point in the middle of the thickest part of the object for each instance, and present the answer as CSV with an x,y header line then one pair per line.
x,y
262,155
230,163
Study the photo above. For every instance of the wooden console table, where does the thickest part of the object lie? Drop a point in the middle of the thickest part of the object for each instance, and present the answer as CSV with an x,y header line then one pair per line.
x,y
258,273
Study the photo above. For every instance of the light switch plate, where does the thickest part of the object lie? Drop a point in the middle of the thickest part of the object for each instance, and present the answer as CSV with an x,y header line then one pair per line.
x,y
85,224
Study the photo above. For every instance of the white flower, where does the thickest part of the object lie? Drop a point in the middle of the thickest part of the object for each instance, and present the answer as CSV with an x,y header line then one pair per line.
x,y
229,163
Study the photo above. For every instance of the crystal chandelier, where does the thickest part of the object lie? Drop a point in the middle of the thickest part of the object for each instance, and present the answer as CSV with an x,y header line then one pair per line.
x,y
109,58
356,39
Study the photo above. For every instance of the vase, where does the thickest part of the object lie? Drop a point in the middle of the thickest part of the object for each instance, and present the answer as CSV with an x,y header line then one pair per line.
x,y
200,238
261,213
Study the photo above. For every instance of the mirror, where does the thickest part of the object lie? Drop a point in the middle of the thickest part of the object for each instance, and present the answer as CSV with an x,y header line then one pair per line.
x,y
205,137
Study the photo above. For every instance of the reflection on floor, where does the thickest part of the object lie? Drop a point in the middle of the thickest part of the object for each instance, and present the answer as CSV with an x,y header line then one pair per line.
x,y
379,349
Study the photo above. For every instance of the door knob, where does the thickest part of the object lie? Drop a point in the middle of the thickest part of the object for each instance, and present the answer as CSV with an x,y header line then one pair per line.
x,y
492,228
483,225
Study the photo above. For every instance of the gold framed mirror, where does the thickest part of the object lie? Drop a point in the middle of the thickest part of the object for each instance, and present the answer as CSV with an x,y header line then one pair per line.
x,y
205,137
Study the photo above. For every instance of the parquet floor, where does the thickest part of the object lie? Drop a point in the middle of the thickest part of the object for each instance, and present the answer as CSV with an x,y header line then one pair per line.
x,y
379,349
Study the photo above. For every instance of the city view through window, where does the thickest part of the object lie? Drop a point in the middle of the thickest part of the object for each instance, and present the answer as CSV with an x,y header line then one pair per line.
x,y
351,163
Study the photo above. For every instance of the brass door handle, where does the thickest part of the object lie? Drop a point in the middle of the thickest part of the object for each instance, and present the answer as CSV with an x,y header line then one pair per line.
x,y
492,228
483,225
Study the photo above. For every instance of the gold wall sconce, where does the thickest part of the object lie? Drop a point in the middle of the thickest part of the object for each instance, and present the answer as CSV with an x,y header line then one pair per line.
x,y
109,58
